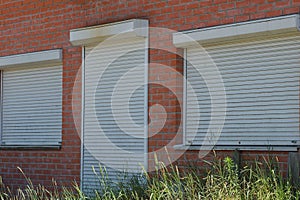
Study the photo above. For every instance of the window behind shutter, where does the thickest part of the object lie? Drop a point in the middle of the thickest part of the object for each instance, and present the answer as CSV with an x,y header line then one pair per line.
x,y
261,80
32,106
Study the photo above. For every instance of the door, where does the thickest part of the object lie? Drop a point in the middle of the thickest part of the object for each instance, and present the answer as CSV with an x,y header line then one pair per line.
x,y
115,110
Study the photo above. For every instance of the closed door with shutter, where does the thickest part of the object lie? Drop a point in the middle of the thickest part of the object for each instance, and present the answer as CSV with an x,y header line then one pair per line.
x,y
115,110
261,80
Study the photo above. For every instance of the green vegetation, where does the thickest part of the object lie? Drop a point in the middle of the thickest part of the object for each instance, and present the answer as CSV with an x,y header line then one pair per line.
x,y
223,180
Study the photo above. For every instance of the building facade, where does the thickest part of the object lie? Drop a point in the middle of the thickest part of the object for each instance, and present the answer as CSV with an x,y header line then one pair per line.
x,y
120,82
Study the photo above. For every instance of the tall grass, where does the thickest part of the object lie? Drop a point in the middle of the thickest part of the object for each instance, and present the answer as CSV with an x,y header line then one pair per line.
x,y
223,180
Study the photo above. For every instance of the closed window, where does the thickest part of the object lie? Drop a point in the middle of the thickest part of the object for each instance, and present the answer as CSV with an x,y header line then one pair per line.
x,y
261,82
31,100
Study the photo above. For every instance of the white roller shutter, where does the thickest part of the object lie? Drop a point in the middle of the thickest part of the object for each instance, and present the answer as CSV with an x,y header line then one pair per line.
x,y
114,79
32,106
261,80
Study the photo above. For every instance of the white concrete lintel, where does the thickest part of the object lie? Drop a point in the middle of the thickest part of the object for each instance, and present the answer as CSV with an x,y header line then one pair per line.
x,y
92,34
268,26
32,59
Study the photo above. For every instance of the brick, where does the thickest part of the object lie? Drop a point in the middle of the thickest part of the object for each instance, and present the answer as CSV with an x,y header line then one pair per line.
x,y
227,20
192,6
274,13
292,10
281,4
257,2
226,6
257,15
242,18
264,7
250,10
212,9
242,3
233,12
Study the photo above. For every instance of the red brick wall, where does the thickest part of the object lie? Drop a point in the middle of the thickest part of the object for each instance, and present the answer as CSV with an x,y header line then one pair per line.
x,y
28,26
33,25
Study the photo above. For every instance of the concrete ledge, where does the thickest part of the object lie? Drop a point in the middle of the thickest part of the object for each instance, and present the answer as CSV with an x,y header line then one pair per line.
x,y
34,59
255,28
128,29
242,148
30,147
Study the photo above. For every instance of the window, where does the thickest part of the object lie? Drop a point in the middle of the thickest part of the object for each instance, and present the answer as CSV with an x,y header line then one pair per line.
x,y
260,74
31,100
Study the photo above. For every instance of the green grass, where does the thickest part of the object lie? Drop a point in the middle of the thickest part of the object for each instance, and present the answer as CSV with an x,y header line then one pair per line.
x,y
223,180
